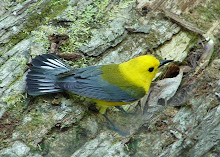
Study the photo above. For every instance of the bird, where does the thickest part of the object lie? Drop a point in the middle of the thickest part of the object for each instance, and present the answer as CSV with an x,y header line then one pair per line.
x,y
106,85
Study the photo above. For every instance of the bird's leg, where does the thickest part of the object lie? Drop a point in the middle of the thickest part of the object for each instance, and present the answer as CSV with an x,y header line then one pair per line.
x,y
125,112
114,127
121,109
102,110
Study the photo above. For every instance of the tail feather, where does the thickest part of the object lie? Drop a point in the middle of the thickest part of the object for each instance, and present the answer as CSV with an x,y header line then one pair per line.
x,y
41,78
49,63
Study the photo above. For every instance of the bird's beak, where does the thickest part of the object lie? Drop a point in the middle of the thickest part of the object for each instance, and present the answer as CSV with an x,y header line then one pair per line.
x,y
164,62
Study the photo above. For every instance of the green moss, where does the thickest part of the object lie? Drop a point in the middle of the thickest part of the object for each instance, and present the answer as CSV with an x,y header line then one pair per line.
x,y
50,9
193,39
82,23
214,54
11,2
82,63
215,150
167,142
35,127
41,35
21,61
79,29
16,105
115,11
13,100
132,146
20,73
38,121
204,15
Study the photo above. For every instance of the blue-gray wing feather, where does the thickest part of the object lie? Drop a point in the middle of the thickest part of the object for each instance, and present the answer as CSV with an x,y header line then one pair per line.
x,y
89,83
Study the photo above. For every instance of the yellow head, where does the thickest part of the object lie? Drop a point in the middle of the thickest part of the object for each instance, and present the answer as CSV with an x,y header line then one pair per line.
x,y
141,70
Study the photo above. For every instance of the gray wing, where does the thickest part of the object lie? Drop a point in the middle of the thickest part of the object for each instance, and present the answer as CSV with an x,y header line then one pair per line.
x,y
89,83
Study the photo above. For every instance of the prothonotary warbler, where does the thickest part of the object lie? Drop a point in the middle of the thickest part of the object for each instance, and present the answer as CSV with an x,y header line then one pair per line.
x,y
107,85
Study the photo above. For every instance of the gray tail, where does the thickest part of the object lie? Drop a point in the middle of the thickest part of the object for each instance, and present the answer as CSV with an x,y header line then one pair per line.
x,y
42,77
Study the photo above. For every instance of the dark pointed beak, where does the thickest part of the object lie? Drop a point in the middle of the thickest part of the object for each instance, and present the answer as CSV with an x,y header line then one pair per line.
x,y
164,62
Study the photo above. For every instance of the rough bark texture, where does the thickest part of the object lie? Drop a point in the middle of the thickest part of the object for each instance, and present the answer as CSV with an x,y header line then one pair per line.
x,y
184,123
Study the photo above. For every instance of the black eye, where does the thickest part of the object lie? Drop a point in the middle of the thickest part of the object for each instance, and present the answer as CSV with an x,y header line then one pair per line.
x,y
151,69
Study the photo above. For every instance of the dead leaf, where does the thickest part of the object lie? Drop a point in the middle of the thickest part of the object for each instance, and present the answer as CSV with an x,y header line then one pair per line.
x,y
164,90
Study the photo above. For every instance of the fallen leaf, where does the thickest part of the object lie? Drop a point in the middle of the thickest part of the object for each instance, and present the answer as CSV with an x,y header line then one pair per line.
x,y
164,90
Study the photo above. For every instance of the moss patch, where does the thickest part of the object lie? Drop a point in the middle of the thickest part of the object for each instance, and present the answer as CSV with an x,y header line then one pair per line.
x,y
50,9
13,100
78,28
12,118
204,16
